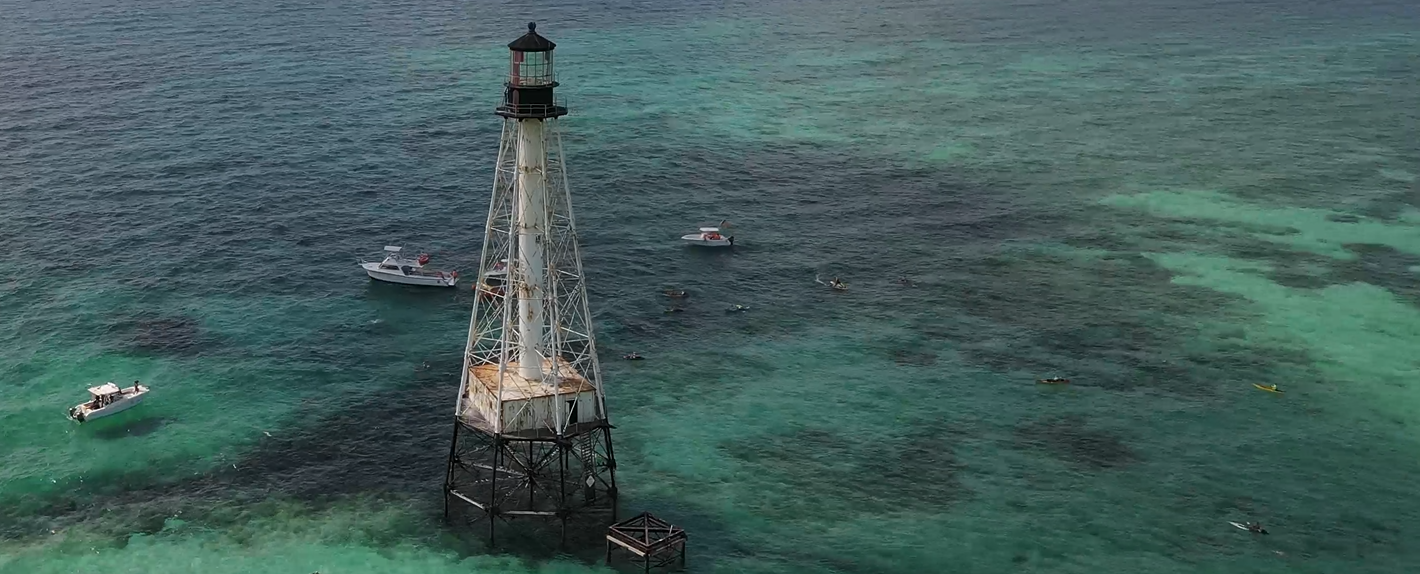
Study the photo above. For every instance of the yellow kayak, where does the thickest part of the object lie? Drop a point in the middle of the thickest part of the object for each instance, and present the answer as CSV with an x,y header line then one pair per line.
x,y
1270,389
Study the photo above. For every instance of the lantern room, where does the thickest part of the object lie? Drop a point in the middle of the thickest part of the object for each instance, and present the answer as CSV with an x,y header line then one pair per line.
x,y
531,79
531,59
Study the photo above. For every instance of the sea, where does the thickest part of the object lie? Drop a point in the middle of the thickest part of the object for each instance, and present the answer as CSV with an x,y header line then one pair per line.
x,y
1170,202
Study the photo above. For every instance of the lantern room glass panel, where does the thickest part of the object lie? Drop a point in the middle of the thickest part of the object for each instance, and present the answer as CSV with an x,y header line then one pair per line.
x,y
531,69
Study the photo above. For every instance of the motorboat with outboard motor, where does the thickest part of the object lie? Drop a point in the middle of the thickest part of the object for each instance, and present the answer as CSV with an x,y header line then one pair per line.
x,y
709,237
108,399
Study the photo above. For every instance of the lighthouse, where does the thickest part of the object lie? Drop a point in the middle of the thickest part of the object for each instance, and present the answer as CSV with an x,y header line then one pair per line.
x,y
531,437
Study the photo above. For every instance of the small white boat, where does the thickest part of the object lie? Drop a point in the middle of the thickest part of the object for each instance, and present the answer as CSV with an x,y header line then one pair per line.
x,y
495,281
709,237
108,399
396,268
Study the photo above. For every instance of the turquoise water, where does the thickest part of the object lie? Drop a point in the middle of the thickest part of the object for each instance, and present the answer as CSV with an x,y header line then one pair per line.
x,y
1166,201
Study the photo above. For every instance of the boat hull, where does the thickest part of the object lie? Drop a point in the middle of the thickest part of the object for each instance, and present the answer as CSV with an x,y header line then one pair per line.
x,y
432,280
81,414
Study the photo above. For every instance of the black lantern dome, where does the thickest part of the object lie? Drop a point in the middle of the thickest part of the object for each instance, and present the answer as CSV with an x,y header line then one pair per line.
x,y
532,41
528,93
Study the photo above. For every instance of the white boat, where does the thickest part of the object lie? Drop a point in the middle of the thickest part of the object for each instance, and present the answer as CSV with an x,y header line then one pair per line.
x,y
396,268
709,237
108,399
494,282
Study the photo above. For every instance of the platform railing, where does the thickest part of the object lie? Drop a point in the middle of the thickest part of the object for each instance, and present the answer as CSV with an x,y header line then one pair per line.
x,y
559,104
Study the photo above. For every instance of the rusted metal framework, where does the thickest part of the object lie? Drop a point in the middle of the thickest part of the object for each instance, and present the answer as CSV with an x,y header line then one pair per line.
x,y
654,542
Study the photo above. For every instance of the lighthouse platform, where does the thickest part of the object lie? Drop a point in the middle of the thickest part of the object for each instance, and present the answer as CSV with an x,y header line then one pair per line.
x,y
528,409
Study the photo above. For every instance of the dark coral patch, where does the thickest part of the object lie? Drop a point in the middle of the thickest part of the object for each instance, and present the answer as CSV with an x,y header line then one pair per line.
x,y
1069,439
173,335
917,468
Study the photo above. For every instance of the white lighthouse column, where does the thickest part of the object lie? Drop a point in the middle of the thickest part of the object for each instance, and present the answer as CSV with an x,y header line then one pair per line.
x,y
532,231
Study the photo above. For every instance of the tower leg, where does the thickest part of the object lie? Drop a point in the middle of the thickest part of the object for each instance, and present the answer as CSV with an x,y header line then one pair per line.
x,y
611,471
493,488
449,469
562,509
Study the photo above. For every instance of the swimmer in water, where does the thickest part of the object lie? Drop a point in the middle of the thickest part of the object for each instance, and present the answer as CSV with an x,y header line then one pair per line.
x,y
834,283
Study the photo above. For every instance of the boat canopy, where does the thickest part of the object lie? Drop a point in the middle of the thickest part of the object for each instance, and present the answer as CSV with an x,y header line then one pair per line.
x,y
709,229
104,390
392,249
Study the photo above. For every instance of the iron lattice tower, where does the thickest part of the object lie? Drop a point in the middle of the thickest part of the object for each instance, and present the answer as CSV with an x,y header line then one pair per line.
x,y
531,436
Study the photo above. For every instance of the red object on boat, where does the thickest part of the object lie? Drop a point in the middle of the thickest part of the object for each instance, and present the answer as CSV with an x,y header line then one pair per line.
x,y
423,258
